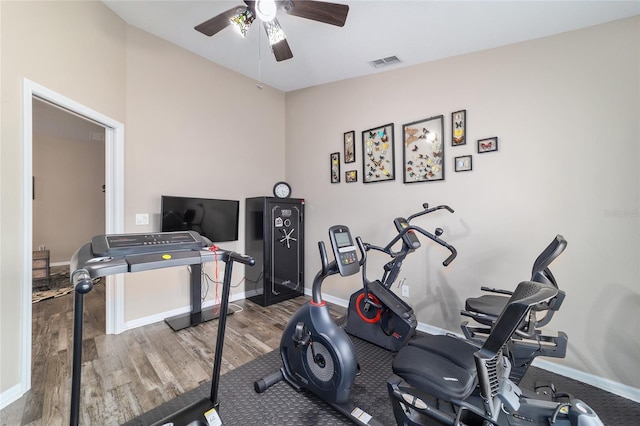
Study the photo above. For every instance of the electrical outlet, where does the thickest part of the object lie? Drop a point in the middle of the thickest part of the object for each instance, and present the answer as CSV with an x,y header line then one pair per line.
x,y
405,291
142,218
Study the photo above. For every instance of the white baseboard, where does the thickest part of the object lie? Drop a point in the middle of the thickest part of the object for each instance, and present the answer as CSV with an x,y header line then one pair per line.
x,y
608,385
10,395
152,319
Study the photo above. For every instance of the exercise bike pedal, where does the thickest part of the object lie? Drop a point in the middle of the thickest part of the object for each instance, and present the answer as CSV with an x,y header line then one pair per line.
x,y
301,336
368,303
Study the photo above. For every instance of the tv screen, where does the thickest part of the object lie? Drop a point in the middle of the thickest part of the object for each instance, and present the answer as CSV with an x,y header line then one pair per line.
x,y
215,219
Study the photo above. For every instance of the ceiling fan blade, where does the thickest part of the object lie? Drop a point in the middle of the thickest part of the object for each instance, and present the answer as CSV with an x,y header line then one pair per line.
x,y
219,22
277,40
282,51
328,13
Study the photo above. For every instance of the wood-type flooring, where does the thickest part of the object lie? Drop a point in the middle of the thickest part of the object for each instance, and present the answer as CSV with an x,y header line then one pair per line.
x,y
128,374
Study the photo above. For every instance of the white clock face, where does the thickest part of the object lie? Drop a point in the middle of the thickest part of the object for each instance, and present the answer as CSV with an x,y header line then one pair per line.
x,y
282,190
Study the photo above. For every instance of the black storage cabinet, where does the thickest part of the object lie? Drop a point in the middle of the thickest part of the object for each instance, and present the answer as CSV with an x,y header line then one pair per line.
x,y
274,237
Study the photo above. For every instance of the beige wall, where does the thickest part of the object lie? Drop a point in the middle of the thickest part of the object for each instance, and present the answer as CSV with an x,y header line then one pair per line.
x,y
565,109
67,171
76,49
192,128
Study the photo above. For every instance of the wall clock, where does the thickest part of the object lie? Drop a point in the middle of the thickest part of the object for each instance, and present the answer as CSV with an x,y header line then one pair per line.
x,y
282,190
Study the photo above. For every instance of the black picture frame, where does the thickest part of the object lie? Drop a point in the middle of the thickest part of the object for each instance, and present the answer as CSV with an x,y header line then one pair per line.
x,y
378,154
463,163
487,145
459,128
351,176
349,141
334,158
423,150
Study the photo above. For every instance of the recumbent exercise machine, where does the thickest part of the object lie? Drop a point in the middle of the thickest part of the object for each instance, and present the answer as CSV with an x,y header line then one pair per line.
x,y
528,341
452,382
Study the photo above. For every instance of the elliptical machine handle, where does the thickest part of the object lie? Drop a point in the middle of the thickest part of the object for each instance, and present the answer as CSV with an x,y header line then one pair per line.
x,y
429,210
323,258
449,259
363,251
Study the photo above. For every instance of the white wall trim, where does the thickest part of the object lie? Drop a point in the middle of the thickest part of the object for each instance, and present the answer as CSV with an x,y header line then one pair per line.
x,y
10,395
152,319
114,206
615,388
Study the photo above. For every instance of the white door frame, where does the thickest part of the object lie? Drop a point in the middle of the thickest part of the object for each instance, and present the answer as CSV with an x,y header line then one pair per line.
x,y
114,210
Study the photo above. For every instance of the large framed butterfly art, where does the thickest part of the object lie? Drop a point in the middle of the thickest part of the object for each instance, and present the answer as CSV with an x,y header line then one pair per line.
x,y
423,150
378,159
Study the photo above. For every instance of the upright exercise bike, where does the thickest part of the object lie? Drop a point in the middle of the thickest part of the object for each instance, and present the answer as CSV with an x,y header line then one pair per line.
x,y
375,313
317,355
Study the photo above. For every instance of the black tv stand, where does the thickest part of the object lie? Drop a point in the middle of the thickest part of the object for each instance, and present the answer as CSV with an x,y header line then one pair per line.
x,y
197,315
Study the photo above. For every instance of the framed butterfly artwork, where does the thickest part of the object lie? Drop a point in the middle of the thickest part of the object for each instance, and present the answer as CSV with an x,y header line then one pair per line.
x,y
423,150
463,163
378,158
334,159
349,139
488,145
459,128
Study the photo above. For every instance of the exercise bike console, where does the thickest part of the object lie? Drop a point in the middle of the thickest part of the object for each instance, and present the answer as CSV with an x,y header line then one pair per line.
x,y
344,250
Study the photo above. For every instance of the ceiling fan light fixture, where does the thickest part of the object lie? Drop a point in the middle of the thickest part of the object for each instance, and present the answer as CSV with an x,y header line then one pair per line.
x,y
266,10
242,21
275,34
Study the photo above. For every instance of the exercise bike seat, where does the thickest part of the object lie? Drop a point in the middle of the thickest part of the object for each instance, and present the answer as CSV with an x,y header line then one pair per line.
x,y
434,372
457,350
448,368
489,306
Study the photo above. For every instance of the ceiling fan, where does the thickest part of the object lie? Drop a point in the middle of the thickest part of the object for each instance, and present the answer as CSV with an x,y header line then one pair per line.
x,y
242,17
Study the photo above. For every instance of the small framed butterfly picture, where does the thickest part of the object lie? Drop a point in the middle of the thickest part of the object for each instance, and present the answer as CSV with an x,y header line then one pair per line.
x,y
488,145
463,163
335,167
423,150
459,128
378,159
350,147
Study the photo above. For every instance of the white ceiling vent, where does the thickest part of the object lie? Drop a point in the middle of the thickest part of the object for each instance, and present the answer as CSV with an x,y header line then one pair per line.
x,y
390,60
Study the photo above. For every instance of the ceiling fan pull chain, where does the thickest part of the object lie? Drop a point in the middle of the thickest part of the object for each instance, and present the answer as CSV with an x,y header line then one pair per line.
x,y
259,85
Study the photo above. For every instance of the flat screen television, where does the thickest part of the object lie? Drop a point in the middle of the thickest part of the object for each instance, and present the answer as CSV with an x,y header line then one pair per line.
x,y
215,219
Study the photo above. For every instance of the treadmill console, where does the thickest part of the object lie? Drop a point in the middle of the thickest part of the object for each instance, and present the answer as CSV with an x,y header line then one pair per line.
x,y
344,250
127,244
410,238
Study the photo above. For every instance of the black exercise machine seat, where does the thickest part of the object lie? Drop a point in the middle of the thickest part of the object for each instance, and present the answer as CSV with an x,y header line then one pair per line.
x,y
441,365
489,306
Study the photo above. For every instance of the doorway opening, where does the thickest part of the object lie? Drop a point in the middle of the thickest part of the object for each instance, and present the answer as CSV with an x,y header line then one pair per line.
x,y
114,209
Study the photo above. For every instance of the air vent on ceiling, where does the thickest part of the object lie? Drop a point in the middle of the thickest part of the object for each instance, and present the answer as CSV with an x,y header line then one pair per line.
x,y
390,60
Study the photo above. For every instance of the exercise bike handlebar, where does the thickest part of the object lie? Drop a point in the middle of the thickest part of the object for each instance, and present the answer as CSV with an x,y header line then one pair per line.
x,y
387,249
427,210
363,251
